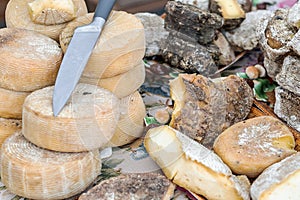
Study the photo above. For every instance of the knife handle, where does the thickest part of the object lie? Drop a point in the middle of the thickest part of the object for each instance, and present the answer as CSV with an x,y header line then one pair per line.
x,y
104,8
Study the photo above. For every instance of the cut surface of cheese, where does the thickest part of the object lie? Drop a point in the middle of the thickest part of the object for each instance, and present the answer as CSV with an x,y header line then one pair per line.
x,y
28,60
120,48
132,186
8,127
131,123
11,103
17,15
121,85
192,166
231,9
88,120
279,181
36,173
251,146
51,12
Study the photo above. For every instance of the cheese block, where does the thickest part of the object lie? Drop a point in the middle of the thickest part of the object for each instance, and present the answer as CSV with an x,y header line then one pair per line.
x,y
11,103
132,186
131,123
121,85
8,127
88,120
194,167
36,173
279,181
18,15
120,48
251,146
28,60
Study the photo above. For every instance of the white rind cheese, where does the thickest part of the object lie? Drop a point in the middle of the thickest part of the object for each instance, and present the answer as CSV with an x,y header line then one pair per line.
x,y
8,127
88,121
36,173
194,167
279,181
28,60
120,48
11,103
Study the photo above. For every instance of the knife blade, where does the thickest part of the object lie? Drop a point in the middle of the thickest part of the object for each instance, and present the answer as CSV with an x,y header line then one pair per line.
x,y
77,55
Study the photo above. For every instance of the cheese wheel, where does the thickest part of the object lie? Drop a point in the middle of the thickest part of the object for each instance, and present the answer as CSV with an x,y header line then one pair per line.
x,y
121,85
28,60
11,103
17,15
8,127
250,146
279,181
36,173
194,167
87,122
120,47
131,123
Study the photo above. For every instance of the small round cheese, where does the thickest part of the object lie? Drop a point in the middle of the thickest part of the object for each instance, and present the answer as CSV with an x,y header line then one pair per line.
x,y
88,120
36,173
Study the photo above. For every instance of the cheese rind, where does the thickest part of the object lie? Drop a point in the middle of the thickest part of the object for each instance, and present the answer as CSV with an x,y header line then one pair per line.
x,y
28,60
120,48
11,103
17,15
8,127
36,173
88,120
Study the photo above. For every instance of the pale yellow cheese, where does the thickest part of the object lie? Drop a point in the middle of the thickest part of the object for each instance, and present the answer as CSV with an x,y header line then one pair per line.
x,y
8,127
121,85
11,103
120,48
88,120
36,173
28,60
17,15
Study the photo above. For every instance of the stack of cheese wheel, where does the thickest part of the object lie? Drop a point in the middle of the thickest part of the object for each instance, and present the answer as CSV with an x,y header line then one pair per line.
x,y
116,64
28,61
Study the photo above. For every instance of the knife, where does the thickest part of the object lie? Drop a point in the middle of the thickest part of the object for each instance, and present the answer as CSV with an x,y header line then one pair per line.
x,y
77,55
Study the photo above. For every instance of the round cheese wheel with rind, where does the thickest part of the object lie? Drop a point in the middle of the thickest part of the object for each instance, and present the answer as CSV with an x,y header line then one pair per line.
x,y
121,85
8,127
131,122
11,103
17,15
28,60
36,173
120,48
88,120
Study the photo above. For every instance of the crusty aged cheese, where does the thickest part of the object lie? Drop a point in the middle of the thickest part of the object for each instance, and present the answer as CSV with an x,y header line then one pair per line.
x,y
121,85
17,15
8,127
88,121
28,60
131,123
132,186
194,167
11,103
279,181
36,173
120,48
251,146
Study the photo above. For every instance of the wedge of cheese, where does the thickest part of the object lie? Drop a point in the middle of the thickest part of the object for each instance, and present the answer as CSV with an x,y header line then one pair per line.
x,y
120,48
88,121
28,60
251,146
8,127
121,85
11,103
194,167
279,181
18,15
36,173
131,123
